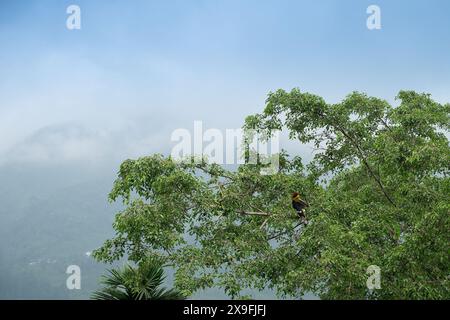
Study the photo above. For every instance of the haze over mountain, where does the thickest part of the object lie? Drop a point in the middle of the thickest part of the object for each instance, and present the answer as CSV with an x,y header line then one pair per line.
x,y
55,211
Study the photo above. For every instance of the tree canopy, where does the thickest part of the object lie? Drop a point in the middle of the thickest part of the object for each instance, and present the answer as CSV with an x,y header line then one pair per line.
x,y
377,187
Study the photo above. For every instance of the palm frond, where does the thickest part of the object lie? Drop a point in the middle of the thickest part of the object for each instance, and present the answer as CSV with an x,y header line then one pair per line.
x,y
136,283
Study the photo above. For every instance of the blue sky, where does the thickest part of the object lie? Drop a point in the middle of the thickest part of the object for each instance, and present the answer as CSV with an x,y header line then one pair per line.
x,y
137,70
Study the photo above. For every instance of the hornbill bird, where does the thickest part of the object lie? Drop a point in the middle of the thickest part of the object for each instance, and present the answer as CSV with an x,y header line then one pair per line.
x,y
299,205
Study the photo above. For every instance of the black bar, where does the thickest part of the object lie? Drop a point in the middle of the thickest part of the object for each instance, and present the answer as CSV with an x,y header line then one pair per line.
x,y
224,309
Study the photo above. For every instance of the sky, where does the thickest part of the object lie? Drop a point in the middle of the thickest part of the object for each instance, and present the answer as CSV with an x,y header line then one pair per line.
x,y
138,70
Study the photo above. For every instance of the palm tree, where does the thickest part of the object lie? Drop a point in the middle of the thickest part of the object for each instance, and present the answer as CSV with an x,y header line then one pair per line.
x,y
136,283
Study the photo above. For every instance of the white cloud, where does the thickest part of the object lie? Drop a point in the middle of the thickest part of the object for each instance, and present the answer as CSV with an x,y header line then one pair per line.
x,y
76,143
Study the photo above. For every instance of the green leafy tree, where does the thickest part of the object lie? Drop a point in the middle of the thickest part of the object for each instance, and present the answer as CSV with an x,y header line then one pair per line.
x,y
136,283
377,186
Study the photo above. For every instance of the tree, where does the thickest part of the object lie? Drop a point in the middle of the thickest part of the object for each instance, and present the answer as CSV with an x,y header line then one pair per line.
x,y
136,283
377,187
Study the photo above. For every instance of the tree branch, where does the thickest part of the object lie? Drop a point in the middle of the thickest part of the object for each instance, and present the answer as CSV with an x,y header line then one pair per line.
x,y
361,156
251,213
283,232
366,164
207,171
